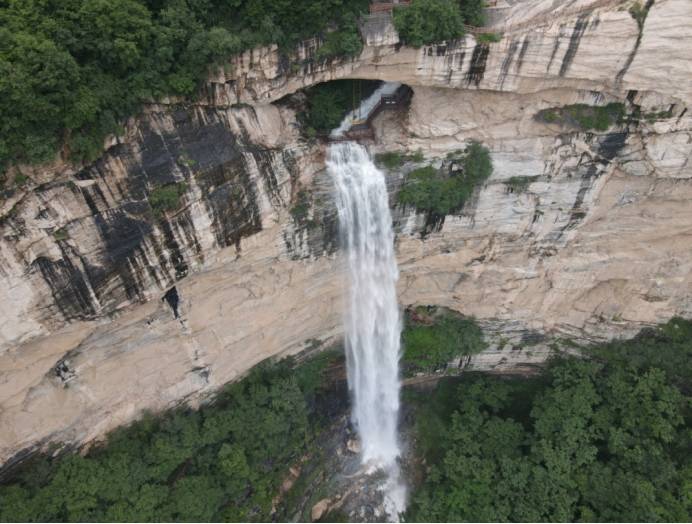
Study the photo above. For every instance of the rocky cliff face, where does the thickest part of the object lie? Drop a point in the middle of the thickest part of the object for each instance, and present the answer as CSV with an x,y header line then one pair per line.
x,y
114,302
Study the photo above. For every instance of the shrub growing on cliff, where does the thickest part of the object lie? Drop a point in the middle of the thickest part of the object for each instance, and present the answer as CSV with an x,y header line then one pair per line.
x,y
489,38
396,159
586,117
519,184
432,337
167,198
432,191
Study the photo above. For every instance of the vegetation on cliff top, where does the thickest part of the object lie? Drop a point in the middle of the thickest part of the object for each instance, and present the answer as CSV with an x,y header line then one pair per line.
x,y
605,439
430,21
72,70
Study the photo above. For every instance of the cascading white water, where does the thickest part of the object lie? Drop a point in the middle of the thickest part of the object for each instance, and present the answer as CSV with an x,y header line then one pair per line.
x,y
366,107
372,320
372,323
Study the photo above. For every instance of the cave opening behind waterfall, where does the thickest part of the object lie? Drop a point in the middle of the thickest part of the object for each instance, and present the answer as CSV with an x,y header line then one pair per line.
x,y
324,107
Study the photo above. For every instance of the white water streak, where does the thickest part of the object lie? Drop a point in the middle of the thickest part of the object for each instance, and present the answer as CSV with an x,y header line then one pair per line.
x,y
366,106
372,320
372,323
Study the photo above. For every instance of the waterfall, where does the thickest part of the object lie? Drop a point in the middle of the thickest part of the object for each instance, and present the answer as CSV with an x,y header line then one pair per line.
x,y
372,321
366,107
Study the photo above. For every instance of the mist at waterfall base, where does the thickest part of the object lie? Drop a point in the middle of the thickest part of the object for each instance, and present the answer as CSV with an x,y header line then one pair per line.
x,y
372,322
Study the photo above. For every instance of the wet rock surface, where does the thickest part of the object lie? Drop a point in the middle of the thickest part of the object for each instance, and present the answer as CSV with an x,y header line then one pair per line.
x,y
334,485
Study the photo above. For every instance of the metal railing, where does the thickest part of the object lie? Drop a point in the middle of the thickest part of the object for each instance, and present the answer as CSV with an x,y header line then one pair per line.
x,y
386,7
362,129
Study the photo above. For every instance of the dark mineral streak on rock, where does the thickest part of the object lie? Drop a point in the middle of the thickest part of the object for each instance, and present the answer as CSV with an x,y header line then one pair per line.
x,y
172,299
608,147
556,46
141,248
633,53
230,198
320,235
579,28
478,62
507,62
176,256
123,231
611,144
68,287
522,52
433,223
265,160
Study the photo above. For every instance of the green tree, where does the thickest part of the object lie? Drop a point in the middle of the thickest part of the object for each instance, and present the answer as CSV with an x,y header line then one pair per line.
x,y
233,464
592,440
432,343
429,21
71,71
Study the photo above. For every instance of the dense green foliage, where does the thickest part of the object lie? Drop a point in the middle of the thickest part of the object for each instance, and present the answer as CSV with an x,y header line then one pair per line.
x,y
328,103
167,198
395,159
488,38
600,439
221,463
431,190
345,41
519,184
586,117
429,21
71,70
433,336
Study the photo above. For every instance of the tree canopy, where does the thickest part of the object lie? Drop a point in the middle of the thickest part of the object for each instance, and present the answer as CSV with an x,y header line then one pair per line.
x,y
431,21
72,70
221,463
433,336
600,439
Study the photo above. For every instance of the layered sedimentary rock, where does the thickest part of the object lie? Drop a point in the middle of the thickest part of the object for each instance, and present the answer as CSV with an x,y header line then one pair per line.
x,y
585,44
113,303
577,232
